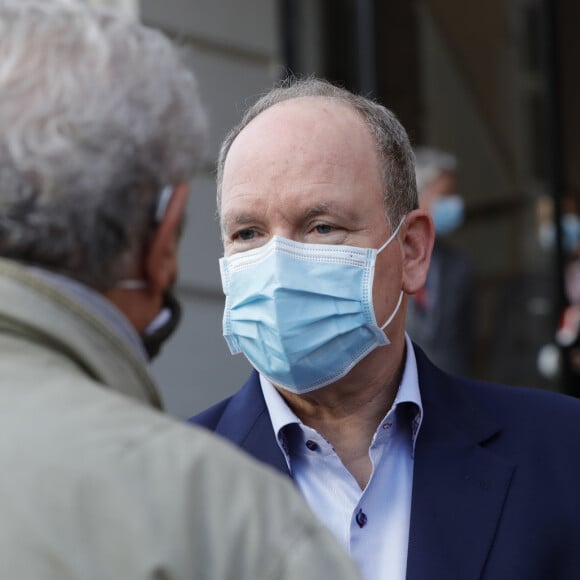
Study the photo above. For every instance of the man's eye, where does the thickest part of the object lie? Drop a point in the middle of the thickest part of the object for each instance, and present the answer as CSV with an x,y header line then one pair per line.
x,y
323,229
245,235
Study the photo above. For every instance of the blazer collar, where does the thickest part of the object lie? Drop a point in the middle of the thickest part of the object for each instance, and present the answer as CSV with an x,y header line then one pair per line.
x,y
246,422
459,484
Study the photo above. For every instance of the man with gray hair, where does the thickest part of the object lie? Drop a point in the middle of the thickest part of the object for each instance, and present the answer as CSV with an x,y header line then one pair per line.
x,y
441,316
420,474
101,132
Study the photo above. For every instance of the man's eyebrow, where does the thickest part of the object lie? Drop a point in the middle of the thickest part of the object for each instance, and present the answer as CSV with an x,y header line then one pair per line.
x,y
328,208
229,221
317,210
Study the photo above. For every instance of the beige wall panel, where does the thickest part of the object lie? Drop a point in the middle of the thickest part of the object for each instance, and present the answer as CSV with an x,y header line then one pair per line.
x,y
228,84
196,369
234,51
201,245
247,25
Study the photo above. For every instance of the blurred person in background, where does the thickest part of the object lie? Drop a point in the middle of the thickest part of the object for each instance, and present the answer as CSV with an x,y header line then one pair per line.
x,y
559,360
569,223
102,130
441,316
419,473
568,332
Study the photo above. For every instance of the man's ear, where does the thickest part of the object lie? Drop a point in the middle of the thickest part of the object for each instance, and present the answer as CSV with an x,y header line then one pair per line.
x,y
417,243
161,262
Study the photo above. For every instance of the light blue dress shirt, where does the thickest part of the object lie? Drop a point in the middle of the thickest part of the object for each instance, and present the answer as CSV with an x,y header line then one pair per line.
x,y
372,524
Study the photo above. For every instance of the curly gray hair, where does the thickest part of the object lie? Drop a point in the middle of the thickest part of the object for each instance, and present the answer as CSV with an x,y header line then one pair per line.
x,y
97,114
395,151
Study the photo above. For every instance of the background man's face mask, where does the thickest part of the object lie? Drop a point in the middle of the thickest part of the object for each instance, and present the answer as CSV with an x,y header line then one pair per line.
x,y
302,313
448,214
163,325
570,225
572,281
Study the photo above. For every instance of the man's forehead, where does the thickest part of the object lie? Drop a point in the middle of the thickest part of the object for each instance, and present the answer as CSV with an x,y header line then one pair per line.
x,y
304,152
319,129
303,115
244,209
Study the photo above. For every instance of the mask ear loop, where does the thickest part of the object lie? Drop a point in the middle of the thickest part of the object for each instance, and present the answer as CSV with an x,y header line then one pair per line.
x,y
161,208
391,238
163,202
390,319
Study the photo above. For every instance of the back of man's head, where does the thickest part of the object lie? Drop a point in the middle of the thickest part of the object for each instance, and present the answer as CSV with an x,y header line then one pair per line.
x,y
430,163
98,114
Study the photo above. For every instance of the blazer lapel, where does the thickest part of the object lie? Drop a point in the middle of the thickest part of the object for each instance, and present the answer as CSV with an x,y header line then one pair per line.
x,y
459,486
246,422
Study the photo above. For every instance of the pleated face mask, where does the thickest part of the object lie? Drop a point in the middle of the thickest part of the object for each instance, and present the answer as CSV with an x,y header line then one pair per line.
x,y
302,314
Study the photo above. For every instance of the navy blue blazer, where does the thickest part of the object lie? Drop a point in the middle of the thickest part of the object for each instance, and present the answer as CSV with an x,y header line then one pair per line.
x,y
496,485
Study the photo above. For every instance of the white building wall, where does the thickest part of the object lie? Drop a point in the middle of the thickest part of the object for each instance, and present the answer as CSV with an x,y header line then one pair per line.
x,y
235,55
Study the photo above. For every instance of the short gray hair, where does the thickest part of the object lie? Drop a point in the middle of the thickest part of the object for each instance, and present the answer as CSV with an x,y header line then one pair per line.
x,y
97,114
430,163
395,152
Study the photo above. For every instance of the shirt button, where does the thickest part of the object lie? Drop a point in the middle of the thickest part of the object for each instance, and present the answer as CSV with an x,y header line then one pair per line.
x,y
312,445
361,518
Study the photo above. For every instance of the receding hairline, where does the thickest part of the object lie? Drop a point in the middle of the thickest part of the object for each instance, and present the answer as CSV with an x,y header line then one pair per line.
x,y
336,100
333,102
396,158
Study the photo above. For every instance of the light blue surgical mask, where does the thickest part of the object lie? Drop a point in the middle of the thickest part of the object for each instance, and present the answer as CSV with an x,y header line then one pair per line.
x,y
163,325
448,214
570,232
570,224
302,314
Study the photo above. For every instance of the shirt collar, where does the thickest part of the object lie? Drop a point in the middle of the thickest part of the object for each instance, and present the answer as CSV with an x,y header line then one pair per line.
x,y
408,393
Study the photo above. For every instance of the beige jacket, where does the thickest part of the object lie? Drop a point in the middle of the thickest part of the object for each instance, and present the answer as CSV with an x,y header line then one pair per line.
x,y
95,484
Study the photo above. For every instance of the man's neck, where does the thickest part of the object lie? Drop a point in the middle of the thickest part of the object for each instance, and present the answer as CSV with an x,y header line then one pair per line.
x,y
348,412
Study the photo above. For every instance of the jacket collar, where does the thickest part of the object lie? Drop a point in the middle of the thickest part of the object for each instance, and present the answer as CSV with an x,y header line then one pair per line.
x,y
34,305
246,422
459,484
